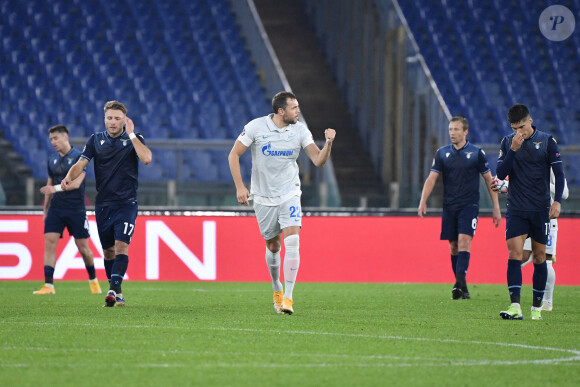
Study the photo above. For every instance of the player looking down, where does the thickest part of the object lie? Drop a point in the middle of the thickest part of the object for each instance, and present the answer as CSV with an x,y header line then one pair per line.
x,y
527,156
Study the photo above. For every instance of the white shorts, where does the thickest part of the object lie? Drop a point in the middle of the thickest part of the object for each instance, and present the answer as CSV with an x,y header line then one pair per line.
x,y
273,219
552,238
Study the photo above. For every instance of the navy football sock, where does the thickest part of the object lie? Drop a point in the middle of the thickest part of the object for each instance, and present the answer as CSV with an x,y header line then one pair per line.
x,y
91,271
539,283
461,268
118,271
514,280
454,264
49,274
109,267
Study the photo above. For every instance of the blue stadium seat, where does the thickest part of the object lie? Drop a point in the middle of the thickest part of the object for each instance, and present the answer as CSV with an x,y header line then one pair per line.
x,y
177,65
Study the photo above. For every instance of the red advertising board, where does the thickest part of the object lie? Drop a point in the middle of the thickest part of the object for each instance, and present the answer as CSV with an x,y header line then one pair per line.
x,y
332,249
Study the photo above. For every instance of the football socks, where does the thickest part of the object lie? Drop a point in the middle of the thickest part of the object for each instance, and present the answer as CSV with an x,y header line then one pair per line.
x,y
273,262
454,264
291,263
91,271
48,274
514,280
549,292
109,267
539,283
118,271
461,268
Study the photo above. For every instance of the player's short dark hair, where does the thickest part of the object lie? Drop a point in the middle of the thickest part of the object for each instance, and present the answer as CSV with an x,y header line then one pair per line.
x,y
115,105
463,121
58,128
518,113
280,100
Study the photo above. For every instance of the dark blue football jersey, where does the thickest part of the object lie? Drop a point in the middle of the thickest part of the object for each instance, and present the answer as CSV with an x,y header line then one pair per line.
x,y
116,166
460,169
57,169
529,177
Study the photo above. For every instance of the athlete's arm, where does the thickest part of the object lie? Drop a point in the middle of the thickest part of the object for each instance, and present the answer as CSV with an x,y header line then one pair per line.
x,y
47,197
242,193
556,207
74,172
505,160
320,156
496,211
427,189
143,152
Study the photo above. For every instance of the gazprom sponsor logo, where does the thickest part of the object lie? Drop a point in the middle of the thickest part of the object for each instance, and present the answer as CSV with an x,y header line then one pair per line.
x,y
267,151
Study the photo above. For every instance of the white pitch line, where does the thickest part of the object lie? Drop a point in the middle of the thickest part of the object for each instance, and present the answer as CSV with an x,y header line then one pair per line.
x,y
574,352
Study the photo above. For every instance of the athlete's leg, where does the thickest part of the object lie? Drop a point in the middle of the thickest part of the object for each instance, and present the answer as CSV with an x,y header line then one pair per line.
x,y
453,251
515,247
550,282
87,254
291,258
527,255
120,264
540,276
463,256
50,242
550,260
273,261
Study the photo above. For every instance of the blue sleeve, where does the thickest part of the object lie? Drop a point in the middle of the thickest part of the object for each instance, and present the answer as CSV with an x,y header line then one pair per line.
x,y
556,163
140,137
559,183
437,165
505,160
88,151
48,169
482,162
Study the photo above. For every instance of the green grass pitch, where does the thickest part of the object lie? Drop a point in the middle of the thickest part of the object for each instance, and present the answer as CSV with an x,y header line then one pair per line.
x,y
217,334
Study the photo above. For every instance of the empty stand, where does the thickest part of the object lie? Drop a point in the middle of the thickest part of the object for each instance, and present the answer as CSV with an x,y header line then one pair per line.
x,y
180,67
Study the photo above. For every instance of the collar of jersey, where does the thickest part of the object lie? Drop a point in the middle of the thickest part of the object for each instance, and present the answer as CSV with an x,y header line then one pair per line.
x,y
114,138
462,148
59,156
272,126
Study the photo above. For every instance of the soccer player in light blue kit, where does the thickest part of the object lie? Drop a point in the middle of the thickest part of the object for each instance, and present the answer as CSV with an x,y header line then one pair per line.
x,y
276,141
116,153
461,163
527,156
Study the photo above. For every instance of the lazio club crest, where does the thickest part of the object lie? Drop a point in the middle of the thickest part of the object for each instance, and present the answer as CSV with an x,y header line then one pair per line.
x,y
468,154
537,144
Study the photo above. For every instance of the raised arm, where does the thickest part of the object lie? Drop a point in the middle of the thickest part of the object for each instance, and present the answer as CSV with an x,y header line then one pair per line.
x,y
320,156
143,152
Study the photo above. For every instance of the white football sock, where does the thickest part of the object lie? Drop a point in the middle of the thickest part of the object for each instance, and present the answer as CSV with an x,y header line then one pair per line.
x,y
528,261
549,292
273,262
291,263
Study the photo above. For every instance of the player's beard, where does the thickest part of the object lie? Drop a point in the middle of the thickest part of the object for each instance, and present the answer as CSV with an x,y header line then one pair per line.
x,y
288,121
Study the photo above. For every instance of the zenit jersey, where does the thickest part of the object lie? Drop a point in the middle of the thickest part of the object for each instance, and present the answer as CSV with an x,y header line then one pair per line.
x,y
460,169
58,167
529,188
274,154
116,167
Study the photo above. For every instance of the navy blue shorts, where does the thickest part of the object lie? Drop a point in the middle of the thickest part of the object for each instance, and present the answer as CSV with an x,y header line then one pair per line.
x,y
461,221
74,220
116,223
534,224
